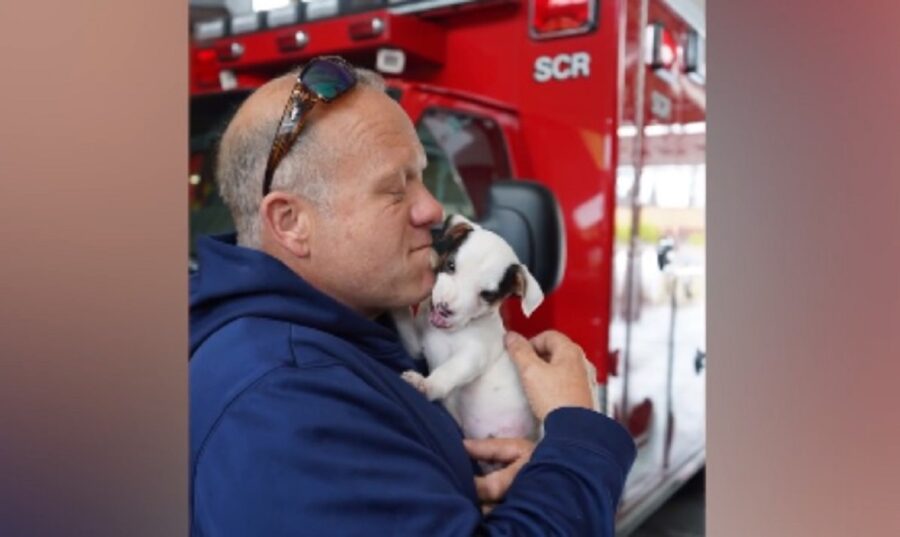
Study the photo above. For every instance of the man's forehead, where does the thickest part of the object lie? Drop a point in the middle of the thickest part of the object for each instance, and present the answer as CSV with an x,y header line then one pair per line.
x,y
389,141
367,130
389,160
384,128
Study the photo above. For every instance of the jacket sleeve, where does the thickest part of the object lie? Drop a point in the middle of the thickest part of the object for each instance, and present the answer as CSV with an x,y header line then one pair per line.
x,y
573,482
318,452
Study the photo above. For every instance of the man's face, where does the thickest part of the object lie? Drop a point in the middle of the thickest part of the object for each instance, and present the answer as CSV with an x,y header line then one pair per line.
x,y
372,250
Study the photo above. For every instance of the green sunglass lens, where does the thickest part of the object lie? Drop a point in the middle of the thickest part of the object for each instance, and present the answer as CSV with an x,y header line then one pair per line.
x,y
328,79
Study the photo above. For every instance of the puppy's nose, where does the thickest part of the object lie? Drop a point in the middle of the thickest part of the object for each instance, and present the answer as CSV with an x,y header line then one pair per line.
x,y
443,308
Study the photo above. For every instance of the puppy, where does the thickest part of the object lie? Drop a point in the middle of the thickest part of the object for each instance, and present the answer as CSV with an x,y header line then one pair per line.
x,y
460,331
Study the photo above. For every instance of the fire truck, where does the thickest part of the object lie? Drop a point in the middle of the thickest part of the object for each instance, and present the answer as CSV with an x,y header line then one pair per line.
x,y
576,128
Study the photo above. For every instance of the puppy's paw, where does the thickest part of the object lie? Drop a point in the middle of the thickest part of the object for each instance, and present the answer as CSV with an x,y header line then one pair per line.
x,y
428,388
416,380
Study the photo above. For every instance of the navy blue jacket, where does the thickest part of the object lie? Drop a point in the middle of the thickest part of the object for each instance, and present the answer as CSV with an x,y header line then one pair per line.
x,y
301,425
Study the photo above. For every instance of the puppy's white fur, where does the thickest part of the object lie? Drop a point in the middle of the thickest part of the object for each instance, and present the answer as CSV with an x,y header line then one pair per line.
x,y
461,335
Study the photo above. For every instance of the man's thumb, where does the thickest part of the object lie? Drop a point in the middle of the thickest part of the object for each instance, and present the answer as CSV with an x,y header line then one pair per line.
x,y
520,350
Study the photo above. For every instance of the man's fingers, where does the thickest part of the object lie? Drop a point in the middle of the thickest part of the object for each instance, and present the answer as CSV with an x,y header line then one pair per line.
x,y
549,341
492,487
549,344
514,451
502,450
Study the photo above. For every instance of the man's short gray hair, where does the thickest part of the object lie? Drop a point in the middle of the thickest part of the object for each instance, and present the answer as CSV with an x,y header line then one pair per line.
x,y
305,170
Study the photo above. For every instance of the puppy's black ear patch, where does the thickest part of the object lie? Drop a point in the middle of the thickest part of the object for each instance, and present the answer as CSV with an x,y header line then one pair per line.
x,y
437,233
512,282
446,223
457,234
449,244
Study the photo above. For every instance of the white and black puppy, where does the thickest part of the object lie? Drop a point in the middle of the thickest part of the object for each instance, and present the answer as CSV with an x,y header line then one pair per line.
x,y
461,333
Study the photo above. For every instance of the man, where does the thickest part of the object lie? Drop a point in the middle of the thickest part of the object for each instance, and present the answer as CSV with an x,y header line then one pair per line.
x,y
300,421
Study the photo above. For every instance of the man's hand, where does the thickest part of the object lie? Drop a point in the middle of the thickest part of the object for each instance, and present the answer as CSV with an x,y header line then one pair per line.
x,y
553,371
513,452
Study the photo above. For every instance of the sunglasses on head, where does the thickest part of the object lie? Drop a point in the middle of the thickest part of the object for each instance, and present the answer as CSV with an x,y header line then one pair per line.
x,y
323,79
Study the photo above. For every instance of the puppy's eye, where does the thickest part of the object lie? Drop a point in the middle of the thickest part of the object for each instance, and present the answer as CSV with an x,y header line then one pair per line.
x,y
487,296
451,266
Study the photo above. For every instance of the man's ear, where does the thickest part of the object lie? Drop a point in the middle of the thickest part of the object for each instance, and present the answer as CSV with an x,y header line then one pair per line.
x,y
287,221
529,289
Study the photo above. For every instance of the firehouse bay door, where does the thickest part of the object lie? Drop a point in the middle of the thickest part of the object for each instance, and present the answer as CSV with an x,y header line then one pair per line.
x,y
657,332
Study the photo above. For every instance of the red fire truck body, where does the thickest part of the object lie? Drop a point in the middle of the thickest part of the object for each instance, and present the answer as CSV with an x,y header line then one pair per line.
x,y
601,102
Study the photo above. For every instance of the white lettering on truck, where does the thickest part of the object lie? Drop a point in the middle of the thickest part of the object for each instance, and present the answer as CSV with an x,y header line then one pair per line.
x,y
562,66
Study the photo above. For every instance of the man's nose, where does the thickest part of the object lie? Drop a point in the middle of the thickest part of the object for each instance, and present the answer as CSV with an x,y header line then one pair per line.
x,y
426,210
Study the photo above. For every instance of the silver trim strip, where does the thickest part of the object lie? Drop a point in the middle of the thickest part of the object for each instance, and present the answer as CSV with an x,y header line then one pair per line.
x,y
282,16
242,24
210,29
425,6
321,9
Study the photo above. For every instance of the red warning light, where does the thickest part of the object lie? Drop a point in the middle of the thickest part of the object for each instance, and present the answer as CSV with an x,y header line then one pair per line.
x,y
550,18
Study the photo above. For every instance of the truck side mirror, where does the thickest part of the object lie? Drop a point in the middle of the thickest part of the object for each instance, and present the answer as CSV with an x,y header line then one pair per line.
x,y
527,215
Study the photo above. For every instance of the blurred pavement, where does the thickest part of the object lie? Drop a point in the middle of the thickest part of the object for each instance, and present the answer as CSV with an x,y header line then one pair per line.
x,y
682,516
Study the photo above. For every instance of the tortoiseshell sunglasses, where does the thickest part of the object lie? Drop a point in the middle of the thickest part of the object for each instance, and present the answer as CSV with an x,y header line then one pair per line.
x,y
323,79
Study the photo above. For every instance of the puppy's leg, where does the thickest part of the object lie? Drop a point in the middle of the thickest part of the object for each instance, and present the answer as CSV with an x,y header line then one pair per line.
x,y
415,379
462,368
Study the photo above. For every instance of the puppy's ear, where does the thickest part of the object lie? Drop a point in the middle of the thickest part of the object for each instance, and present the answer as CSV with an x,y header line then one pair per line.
x,y
452,238
529,289
456,219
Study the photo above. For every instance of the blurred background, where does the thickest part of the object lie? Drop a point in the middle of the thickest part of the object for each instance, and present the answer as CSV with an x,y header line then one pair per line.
x,y
574,128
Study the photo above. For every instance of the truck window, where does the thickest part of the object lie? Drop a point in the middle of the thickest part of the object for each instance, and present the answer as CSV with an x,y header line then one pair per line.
x,y
394,93
207,214
465,155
